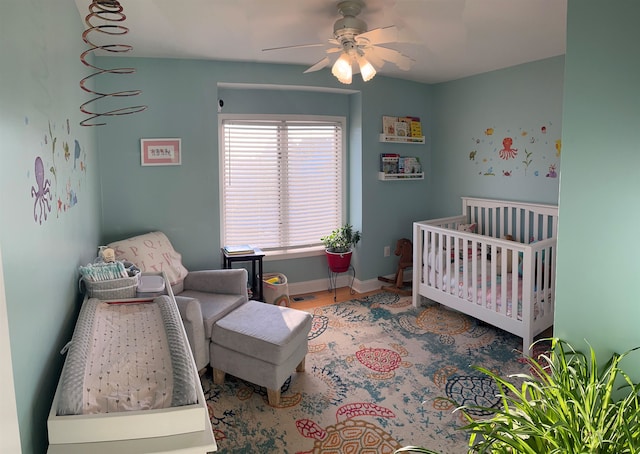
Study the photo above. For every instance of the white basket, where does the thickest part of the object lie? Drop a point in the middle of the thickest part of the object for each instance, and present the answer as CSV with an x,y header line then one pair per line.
x,y
112,289
277,294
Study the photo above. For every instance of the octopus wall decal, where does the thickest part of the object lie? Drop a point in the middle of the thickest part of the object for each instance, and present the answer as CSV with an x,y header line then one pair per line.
x,y
507,152
41,206
496,149
54,167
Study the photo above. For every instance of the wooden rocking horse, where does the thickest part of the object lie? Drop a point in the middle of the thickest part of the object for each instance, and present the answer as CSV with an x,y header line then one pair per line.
x,y
404,249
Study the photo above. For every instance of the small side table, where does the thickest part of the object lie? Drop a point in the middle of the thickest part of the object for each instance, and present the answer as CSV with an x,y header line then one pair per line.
x,y
256,278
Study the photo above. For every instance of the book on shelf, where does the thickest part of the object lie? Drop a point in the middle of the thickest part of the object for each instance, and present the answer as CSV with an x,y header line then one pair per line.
x,y
389,162
389,125
411,164
408,120
415,129
401,126
402,129
240,249
413,125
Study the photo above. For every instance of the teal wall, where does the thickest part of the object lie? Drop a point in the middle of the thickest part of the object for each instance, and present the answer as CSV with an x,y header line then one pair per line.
x,y
390,207
182,96
473,117
597,295
39,100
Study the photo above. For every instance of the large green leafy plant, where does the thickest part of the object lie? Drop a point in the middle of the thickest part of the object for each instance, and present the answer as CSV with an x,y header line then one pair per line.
x,y
568,404
341,239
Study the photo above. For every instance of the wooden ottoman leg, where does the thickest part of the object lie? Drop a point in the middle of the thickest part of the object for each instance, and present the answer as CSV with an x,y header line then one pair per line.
x,y
273,396
218,376
300,367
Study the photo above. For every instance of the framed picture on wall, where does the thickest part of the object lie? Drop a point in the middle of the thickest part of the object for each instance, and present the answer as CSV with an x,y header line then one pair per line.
x,y
160,152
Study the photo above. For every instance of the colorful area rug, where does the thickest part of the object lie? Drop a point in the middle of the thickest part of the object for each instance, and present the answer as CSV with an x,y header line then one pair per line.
x,y
380,374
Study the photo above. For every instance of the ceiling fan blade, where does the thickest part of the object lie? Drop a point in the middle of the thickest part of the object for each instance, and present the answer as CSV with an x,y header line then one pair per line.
x,y
299,46
400,60
318,66
380,35
333,50
376,61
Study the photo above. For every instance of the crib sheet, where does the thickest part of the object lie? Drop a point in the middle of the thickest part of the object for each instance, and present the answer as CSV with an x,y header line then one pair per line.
x,y
474,292
126,357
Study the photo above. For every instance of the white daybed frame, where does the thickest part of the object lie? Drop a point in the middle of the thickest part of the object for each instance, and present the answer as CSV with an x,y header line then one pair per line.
x,y
185,429
469,261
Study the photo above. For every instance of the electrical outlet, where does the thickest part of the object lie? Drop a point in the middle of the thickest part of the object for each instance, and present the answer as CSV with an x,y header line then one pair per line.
x,y
387,251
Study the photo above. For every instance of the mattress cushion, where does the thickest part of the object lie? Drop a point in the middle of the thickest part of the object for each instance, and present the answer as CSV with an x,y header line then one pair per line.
x,y
270,333
115,348
214,306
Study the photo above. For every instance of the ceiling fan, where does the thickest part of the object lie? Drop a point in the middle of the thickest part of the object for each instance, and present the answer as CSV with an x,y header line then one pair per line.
x,y
359,48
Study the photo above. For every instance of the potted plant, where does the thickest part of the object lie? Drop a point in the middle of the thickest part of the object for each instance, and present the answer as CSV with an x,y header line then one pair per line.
x,y
568,404
338,247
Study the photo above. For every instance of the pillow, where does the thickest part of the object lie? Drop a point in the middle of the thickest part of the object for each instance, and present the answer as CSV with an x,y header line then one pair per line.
x,y
468,227
152,252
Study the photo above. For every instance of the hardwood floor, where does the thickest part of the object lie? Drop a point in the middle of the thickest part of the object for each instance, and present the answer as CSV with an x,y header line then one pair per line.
x,y
325,298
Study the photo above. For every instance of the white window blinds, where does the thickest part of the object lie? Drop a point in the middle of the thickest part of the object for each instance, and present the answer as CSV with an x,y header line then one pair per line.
x,y
281,181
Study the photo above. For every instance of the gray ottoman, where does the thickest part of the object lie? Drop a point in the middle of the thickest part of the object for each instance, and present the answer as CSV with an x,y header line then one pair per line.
x,y
260,343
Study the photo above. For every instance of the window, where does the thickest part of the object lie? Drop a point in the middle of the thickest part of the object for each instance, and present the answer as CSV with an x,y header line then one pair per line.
x,y
281,180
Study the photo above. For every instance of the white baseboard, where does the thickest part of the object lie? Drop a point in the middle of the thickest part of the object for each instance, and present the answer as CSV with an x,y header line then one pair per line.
x,y
318,285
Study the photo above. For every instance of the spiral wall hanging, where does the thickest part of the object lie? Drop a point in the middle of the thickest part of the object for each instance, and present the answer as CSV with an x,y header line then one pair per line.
x,y
110,15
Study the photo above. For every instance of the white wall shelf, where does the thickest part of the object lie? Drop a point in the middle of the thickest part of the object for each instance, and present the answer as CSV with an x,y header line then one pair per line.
x,y
401,139
400,176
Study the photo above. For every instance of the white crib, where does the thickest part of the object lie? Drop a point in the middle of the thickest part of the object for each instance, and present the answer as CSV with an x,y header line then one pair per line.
x,y
471,271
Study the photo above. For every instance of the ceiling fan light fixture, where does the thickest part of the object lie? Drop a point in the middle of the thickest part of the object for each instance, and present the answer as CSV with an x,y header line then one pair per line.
x,y
342,69
356,44
367,71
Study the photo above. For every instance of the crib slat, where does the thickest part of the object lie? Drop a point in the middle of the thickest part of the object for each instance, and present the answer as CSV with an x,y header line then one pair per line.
x,y
505,221
515,303
480,273
494,275
504,259
519,232
494,222
462,261
447,272
483,269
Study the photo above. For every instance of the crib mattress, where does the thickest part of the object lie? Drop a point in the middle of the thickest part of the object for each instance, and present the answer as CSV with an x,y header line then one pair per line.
x,y
474,292
129,374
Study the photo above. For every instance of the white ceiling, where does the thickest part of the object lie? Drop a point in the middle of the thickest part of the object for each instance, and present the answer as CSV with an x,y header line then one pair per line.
x,y
449,39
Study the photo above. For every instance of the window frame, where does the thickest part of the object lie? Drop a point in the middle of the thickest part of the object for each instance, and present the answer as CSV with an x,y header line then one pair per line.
x,y
282,253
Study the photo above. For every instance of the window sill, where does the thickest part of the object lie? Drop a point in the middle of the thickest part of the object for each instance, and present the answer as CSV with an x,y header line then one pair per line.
x,y
286,254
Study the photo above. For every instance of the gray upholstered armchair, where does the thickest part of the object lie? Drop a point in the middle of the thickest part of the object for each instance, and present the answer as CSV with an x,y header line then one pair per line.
x,y
216,293
203,297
